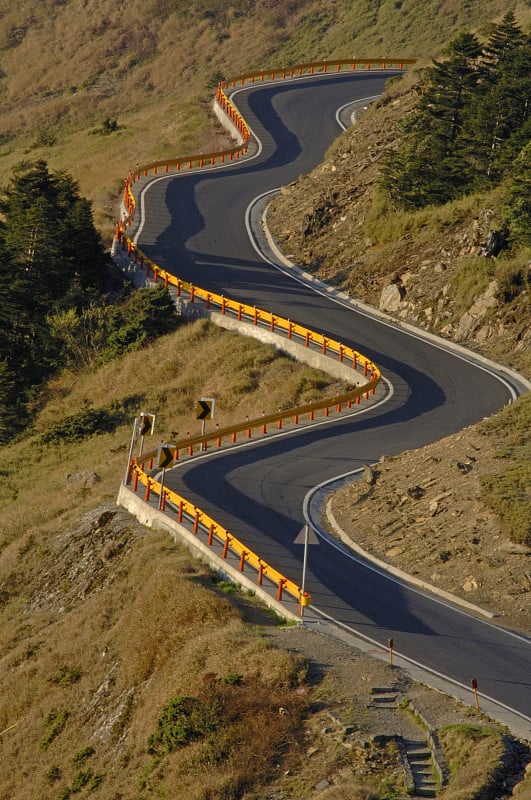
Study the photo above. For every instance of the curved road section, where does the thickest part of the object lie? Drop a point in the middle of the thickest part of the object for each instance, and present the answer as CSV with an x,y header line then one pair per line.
x,y
194,226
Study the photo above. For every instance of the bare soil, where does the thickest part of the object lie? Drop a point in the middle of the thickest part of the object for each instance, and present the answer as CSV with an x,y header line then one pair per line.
x,y
422,513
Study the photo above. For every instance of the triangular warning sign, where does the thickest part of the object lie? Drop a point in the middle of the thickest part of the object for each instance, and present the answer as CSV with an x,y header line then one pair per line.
x,y
301,536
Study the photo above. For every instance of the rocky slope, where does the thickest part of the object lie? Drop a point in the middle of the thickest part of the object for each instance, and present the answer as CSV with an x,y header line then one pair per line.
x,y
428,268
429,517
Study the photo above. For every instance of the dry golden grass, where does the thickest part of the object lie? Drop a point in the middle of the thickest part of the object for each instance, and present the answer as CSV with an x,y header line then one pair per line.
x,y
99,633
473,755
100,673
244,377
68,66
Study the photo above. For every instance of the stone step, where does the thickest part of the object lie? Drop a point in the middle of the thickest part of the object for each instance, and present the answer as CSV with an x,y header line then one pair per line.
x,y
383,698
420,762
424,769
419,755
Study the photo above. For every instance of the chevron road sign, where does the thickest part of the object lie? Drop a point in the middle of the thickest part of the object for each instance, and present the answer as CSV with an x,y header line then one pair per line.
x,y
205,408
146,424
165,456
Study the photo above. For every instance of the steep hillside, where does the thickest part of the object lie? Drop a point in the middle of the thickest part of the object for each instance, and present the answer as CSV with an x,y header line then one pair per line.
x,y
125,672
94,88
426,267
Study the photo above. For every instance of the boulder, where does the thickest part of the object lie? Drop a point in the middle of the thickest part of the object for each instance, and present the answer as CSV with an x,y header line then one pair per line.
x,y
391,297
85,478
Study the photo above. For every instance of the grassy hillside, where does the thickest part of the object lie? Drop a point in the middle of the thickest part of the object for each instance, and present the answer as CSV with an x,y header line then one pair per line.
x,y
91,655
66,67
102,624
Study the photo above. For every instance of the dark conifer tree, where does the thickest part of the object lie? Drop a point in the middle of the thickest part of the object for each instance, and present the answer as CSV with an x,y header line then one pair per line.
x,y
52,258
471,122
503,38
501,108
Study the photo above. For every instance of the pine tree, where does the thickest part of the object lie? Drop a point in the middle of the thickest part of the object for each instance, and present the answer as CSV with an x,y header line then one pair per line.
x,y
503,38
501,111
471,121
517,203
432,167
451,84
52,258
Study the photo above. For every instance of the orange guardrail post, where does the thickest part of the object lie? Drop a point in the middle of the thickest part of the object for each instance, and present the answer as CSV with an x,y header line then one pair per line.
x,y
226,545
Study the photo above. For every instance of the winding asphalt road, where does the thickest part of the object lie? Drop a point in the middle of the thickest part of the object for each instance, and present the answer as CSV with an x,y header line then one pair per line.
x,y
194,225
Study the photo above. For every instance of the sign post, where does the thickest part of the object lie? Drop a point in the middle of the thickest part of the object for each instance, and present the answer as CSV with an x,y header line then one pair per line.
x,y
146,427
130,456
164,459
306,537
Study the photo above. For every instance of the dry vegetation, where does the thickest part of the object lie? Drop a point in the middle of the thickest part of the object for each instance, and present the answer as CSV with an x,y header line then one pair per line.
x,y
165,379
101,624
66,67
91,652
337,225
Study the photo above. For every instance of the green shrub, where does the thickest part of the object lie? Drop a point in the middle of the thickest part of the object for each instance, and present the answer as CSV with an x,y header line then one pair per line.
x,y
507,491
82,756
53,774
55,724
82,425
146,314
508,496
182,721
513,278
81,780
234,679
66,676
470,279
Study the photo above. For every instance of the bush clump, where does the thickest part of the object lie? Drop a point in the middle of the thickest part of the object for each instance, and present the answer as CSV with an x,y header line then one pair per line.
x,y
182,721
83,425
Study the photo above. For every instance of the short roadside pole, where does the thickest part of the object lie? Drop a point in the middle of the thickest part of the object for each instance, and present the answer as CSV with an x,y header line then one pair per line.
x,y
475,690
305,536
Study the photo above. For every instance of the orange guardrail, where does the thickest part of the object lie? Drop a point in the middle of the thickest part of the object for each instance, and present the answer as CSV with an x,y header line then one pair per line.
x,y
314,67
199,518
261,423
281,73
359,362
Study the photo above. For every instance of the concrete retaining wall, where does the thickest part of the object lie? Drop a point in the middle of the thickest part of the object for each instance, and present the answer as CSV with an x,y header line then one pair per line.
x,y
151,517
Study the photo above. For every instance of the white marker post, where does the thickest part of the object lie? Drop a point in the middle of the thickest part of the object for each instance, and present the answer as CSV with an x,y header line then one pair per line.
x,y
305,537
130,457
